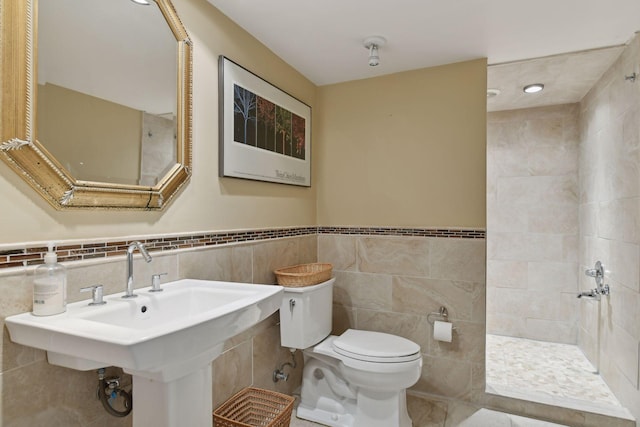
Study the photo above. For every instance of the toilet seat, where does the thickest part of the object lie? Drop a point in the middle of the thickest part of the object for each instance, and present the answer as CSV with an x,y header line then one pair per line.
x,y
377,347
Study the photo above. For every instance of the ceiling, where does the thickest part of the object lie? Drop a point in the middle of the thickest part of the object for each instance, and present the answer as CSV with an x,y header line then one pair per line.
x,y
323,40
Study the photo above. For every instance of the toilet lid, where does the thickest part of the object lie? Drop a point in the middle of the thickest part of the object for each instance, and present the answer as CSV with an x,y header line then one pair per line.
x,y
375,347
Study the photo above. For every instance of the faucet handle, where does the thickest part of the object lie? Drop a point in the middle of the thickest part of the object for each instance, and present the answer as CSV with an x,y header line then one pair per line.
x,y
155,282
96,294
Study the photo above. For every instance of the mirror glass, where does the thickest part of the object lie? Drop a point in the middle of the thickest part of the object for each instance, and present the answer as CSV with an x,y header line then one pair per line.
x,y
107,89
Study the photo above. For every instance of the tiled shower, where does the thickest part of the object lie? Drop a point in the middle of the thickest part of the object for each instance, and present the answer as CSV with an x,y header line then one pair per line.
x,y
563,192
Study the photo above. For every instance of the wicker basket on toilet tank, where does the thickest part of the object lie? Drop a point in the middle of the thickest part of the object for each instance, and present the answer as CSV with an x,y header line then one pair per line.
x,y
303,275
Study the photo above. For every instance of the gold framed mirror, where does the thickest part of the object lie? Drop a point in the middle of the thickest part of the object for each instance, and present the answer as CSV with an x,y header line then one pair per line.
x,y
65,175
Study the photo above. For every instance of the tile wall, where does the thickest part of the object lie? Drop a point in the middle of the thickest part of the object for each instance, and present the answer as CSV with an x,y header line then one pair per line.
x,y
391,283
532,223
389,279
610,225
34,393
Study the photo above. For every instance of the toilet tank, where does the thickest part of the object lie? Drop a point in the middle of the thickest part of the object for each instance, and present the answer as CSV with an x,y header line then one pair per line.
x,y
305,315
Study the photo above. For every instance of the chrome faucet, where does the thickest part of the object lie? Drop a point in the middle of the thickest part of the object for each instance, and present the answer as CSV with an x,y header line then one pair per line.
x,y
592,294
145,254
601,288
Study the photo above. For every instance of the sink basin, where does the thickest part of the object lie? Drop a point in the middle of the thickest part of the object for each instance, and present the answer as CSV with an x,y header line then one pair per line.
x,y
149,332
166,340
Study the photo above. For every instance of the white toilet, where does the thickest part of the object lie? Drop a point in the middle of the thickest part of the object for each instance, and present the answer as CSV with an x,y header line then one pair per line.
x,y
357,379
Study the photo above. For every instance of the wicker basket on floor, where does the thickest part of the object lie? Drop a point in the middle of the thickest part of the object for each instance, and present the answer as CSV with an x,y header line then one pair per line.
x,y
255,407
303,275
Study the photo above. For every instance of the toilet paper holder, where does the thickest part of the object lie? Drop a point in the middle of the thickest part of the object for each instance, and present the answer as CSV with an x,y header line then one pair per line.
x,y
442,313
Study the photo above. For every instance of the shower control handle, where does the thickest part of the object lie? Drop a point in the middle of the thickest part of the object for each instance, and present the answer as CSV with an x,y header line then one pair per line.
x,y
601,288
591,272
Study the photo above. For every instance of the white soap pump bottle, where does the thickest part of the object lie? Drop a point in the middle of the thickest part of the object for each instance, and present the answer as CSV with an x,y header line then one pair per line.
x,y
50,286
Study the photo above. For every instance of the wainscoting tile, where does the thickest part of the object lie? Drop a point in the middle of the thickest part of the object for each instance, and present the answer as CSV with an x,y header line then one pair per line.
x,y
362,290
422,296
338,250
392,255
445,377
462,259
232,371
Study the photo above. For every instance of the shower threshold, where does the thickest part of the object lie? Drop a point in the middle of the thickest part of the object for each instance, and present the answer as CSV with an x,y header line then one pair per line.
x,y
548,373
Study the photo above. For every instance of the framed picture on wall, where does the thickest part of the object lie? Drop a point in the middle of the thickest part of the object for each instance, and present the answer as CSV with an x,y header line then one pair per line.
x,y
265,133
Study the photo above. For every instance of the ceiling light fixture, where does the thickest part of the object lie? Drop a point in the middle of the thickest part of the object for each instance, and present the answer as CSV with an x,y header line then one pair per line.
x,y
533,88
141,2
492,93
373,43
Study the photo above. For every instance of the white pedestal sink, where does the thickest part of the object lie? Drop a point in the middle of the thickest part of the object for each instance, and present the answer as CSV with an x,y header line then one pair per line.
x,y
165,340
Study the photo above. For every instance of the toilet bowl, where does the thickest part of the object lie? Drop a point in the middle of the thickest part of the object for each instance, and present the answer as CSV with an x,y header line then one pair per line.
x,y
357,379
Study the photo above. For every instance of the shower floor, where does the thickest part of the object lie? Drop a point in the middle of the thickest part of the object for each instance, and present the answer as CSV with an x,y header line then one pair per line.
x,y
546,372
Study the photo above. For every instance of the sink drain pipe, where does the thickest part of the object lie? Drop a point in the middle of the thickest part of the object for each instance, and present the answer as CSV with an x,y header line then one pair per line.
x,y
110,393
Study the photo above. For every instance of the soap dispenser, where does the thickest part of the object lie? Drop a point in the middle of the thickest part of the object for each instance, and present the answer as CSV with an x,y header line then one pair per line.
x,y
50,286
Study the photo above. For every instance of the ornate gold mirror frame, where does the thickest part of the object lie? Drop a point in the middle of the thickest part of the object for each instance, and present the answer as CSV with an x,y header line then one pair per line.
x,y
31,160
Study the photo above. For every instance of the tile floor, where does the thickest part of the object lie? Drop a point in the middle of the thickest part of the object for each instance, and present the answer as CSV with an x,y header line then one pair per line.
x,y
559,371
462,418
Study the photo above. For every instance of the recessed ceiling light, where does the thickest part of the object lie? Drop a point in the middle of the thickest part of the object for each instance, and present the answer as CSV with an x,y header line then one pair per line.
x,y
492,93
533,88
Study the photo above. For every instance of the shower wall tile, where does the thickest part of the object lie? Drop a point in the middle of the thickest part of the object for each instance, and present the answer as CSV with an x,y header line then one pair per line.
x,y
553,219
620,220
508,161
551,330
508,274
505,324
625,348
533,222
507,217
549,276
627,314
592,250
553,160
610,224
512,302
588,219
525,246
561,308
536,190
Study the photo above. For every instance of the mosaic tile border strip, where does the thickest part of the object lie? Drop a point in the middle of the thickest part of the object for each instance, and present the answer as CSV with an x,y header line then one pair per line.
x,y
33,255
398,231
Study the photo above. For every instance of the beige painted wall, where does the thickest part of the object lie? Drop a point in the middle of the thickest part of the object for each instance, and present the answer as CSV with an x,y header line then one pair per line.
x,y
95,139
404,150
207,202
407,149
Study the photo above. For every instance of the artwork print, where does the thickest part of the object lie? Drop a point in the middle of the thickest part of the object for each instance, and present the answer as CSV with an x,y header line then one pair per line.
x,y
265,133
